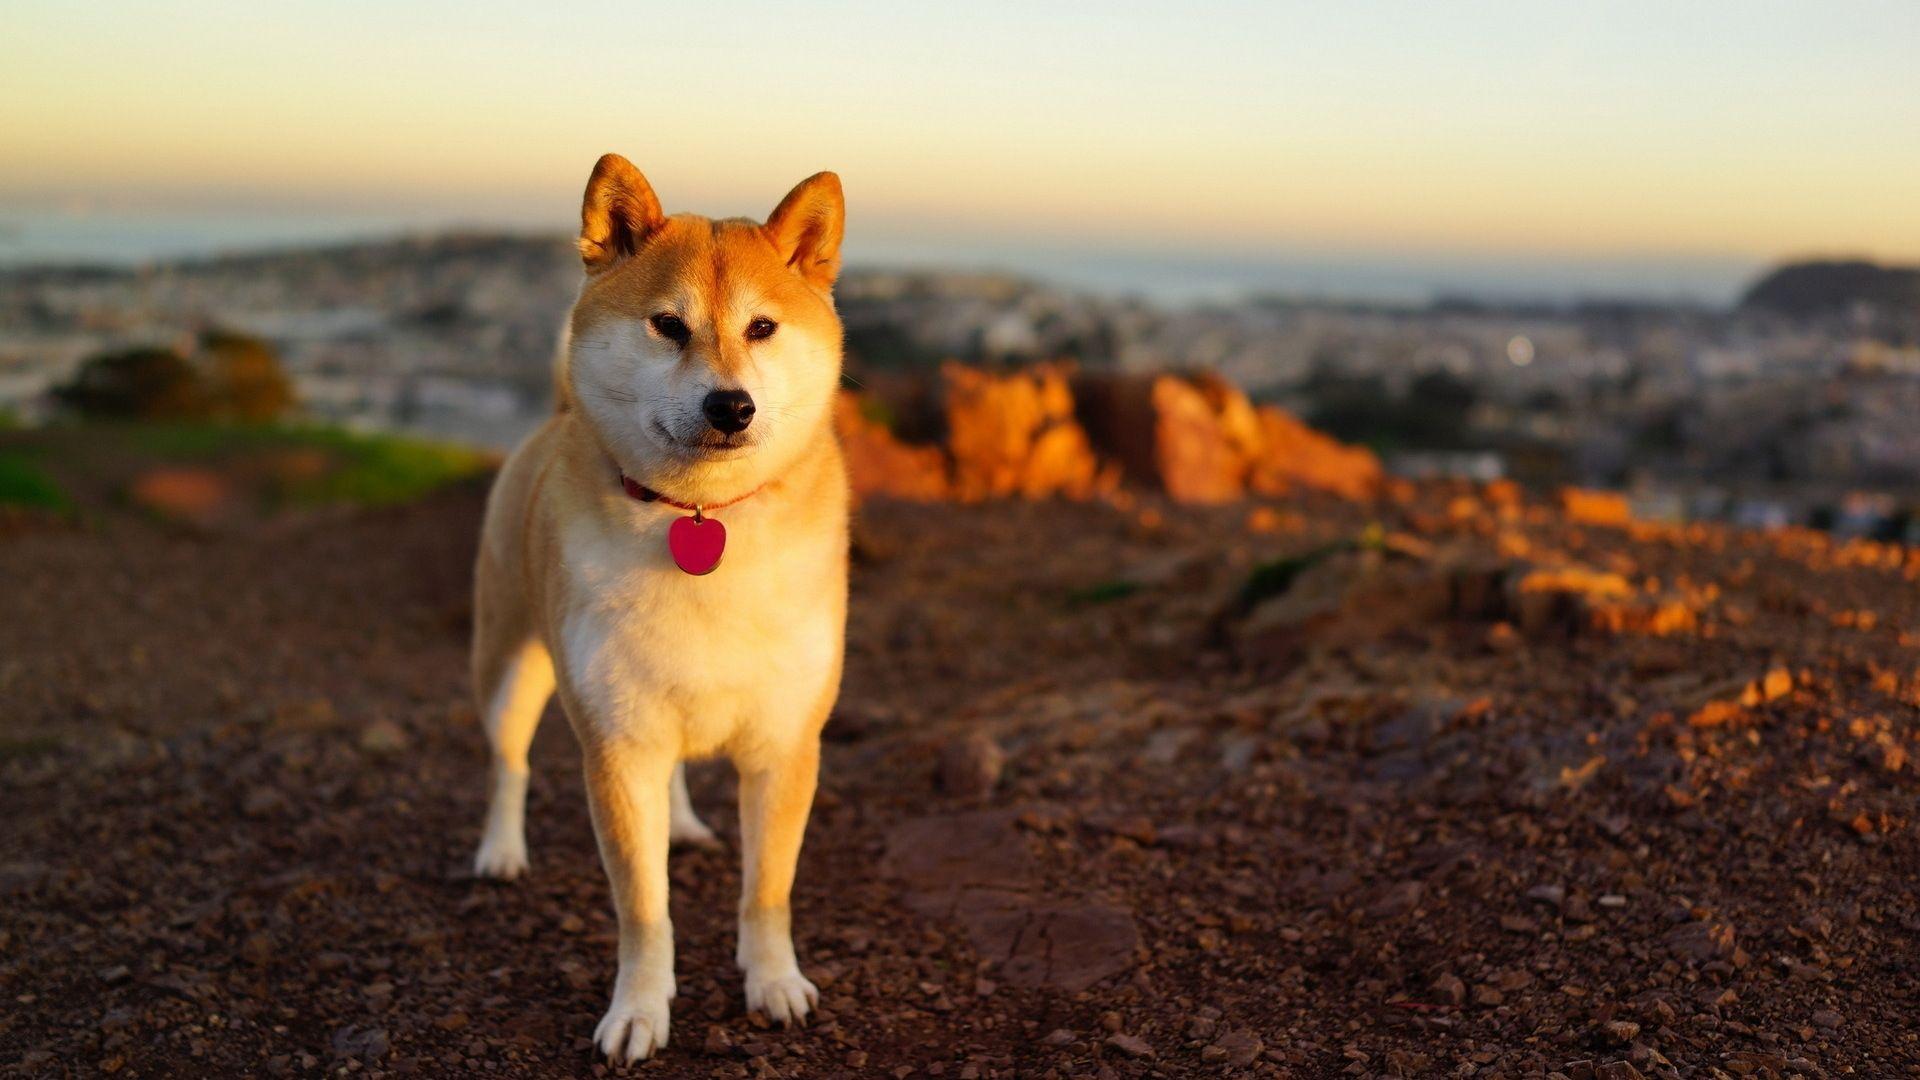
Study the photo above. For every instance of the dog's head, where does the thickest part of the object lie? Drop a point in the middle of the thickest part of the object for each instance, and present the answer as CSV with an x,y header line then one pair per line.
x,y
704,354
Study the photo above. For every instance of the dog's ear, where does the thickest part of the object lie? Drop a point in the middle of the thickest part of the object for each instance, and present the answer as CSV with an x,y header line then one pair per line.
x,y
619,213
806,228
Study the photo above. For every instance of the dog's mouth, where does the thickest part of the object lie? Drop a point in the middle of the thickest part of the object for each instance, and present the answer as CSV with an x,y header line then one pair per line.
x,y
709,445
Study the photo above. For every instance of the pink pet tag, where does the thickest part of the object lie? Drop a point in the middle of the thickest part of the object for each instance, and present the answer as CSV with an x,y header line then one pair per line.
x,y
697,543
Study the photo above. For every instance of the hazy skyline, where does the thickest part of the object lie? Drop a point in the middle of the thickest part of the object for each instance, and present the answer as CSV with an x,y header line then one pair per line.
x,y
1705,131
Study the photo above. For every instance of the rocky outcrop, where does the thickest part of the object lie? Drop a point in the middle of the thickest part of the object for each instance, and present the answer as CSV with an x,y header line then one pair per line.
x,y
1014,433
1200,439
1584,506
1348,594
880,464
1295,455
1048,431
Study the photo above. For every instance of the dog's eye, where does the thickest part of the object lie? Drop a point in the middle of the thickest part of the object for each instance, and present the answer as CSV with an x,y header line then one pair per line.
x,y
760,329
671,328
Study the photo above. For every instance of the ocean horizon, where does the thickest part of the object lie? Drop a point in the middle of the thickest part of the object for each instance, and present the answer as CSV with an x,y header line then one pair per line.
x,y
132,239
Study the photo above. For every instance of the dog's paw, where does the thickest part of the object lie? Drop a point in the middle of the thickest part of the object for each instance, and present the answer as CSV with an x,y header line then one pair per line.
x,y
501,858
633,1029
692,832
785,998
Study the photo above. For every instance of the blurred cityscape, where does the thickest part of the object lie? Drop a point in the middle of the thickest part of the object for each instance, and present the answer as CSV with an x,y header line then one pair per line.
x,y
1796,405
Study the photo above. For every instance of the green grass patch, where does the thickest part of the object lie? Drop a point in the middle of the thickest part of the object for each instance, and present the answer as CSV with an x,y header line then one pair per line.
x,y
380,470
1270,579
28,747
198,441
1105,592
873,410
290,464
23,483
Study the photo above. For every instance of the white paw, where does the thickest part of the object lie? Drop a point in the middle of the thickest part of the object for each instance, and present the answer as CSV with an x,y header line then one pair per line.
x,y
501,858
692,832
785,998
633,1029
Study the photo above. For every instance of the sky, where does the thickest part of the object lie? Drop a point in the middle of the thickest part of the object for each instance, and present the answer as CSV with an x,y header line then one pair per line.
x,y
1686,130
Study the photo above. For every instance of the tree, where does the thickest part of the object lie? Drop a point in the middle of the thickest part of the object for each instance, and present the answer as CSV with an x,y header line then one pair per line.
x,y
229,377
136,384
245,378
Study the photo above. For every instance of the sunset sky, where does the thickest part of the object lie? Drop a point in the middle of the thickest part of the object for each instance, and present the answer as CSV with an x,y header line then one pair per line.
x,y
1744,130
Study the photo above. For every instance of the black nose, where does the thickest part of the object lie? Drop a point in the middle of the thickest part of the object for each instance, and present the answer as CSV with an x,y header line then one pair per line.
x,y
728,410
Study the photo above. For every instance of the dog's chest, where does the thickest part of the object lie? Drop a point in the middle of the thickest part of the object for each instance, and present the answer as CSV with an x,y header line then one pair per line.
x,y
650,649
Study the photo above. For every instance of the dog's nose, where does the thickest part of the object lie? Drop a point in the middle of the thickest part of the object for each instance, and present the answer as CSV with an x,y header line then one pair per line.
x,y
728,410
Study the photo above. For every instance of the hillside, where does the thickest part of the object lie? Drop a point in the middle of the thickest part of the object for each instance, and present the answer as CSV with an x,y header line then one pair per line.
x,y
1453,782
1808,289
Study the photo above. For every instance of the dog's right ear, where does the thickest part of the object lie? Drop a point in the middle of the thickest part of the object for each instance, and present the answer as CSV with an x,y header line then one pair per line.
x,y
619,213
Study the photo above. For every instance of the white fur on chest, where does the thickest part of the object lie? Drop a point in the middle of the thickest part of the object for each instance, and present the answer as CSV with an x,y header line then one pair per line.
x,y
698,664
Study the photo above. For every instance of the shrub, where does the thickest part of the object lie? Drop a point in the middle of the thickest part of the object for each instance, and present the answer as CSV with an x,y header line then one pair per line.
x,y
136,384
22,483
244,378
229,377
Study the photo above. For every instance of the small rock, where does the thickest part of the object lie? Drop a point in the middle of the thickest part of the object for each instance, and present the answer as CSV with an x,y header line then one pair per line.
x,y
1130,1045
1059,1037
1827,1018
1551,895
452,1021
970,767
1487,997
1450,989
718,1044
263,802
1518,924
1400,898
382,738
1237,751
1237,1048
367,1044
1621,1031
258,948
1701,940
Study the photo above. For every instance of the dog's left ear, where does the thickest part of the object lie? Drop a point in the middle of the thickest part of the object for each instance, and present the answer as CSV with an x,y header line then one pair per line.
x,y
807,225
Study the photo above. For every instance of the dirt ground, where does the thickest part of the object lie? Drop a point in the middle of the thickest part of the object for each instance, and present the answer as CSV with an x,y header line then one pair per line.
x,y
1412,814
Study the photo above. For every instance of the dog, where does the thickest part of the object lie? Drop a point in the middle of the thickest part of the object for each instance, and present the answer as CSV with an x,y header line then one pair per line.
x,y
669,552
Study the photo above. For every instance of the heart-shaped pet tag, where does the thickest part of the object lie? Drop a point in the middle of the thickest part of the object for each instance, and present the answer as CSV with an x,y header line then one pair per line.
x,y
696,544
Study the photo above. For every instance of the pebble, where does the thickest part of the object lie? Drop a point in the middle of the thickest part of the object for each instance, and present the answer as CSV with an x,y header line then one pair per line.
x,y
1237,1048
1621,1031
1059,1037
382,738
1552,895
970,767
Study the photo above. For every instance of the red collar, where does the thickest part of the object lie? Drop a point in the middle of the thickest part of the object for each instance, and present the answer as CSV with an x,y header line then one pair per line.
x,y
647,495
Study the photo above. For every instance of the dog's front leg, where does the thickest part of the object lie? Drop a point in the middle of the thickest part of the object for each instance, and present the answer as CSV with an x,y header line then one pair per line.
x,y
776,795
627,788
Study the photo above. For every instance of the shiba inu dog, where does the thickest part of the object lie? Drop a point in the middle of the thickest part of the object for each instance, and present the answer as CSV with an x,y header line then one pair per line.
x,y
669,552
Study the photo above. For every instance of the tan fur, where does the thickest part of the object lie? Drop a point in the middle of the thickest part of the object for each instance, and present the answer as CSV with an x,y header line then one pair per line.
x,y
575,590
